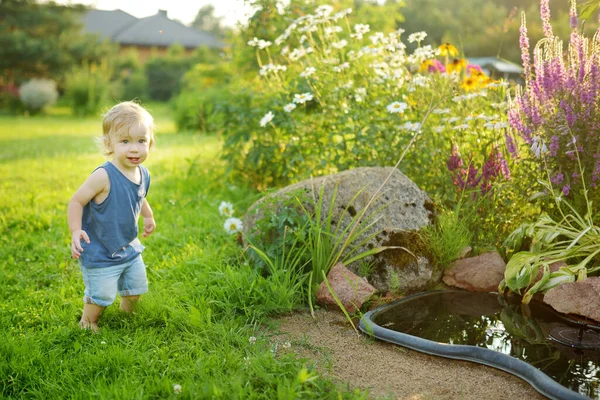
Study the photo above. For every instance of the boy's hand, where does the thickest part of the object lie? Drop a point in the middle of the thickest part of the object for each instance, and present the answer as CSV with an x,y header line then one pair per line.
x,y
149,226
76,237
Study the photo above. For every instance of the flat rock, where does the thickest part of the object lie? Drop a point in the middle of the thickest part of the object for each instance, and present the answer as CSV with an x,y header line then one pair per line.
x,y
352,290
579,298
482,273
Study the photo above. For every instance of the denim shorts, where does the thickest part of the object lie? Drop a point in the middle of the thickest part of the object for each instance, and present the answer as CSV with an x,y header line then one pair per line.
x,y
103,284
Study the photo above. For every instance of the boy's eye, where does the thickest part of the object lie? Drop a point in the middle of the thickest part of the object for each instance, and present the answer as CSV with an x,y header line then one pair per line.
x,y
142,140
124,141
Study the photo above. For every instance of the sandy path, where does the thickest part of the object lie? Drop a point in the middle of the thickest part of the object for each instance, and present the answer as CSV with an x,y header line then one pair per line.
x,y
390,371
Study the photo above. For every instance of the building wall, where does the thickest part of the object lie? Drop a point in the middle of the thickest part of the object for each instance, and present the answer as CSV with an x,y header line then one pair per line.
x,y
145,52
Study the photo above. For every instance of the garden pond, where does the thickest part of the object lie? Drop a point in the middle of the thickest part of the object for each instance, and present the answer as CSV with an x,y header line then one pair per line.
x,y
558,356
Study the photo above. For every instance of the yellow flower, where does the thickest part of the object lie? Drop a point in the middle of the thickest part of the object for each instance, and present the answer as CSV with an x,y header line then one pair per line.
x,y
469,84
456,65
424,67
447,49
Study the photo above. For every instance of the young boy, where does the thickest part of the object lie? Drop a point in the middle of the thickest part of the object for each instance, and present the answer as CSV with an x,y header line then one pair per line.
x,y
104,211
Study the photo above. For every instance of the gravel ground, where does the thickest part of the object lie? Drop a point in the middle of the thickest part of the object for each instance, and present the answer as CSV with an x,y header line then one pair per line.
x,y
390,371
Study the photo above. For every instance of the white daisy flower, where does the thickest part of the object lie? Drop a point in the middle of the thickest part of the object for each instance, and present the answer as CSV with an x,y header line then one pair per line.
x,y
461,127
233,225
226,209
361,29
263,44
416,37
253,42
266,119
289,107
341,44
397,107
308,72
303,98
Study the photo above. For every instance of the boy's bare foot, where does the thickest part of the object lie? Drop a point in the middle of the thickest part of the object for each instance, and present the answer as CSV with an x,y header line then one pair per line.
x,y
89,325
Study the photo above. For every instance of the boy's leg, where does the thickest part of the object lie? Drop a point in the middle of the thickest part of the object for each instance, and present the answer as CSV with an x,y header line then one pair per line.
x,y
132,283
89,318
128,303
100,292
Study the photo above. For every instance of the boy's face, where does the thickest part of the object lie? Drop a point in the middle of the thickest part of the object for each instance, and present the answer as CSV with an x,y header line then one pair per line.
x,y
130,146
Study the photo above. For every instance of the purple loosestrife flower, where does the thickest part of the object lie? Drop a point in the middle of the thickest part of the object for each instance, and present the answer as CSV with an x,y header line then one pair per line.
x,y
454,161
545,14
524,45
566,190
554,146
511,146
558,178
573,15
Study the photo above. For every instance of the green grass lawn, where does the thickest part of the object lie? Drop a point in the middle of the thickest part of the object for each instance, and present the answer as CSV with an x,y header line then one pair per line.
x,y
192,329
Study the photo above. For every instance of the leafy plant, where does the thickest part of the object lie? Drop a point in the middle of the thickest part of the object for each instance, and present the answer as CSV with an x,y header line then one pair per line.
x,y
282,224
332,95
448,237
87,87
574,239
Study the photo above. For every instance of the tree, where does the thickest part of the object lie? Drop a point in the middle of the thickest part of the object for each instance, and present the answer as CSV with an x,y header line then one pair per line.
x,y
43,40
207,21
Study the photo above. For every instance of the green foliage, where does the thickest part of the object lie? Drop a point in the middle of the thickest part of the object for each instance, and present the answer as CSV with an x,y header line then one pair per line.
x,y
206,93
573,238
282,225
448,237
44,40
88,88
345,120
164,73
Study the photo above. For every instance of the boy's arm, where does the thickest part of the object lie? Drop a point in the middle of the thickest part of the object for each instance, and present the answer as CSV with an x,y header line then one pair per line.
x,y
149,223
97,182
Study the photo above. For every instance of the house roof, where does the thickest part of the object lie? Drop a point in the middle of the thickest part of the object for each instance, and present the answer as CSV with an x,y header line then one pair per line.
x,y
498,64
156,30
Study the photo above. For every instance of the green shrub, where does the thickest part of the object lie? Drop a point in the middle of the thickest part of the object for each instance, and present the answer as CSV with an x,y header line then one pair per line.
x,y
331,96
206,92
164,73
88,88
135,85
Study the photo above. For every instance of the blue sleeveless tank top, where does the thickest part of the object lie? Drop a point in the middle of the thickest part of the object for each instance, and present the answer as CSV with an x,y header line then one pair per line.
x,y
112,224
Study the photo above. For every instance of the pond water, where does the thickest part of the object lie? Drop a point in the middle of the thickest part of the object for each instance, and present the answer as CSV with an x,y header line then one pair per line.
x,y
565,350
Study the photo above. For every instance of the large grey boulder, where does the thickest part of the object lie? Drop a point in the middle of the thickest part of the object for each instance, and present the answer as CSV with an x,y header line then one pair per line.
x,y
403,210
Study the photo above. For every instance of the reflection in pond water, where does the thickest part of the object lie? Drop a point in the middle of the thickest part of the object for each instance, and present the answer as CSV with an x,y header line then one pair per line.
x,y
566,351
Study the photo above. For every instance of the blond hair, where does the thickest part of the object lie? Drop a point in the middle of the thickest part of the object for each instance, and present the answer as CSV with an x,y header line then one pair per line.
x,y
124,115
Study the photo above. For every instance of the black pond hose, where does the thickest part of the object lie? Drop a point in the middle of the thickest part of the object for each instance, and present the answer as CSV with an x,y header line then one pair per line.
x,y
540,381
